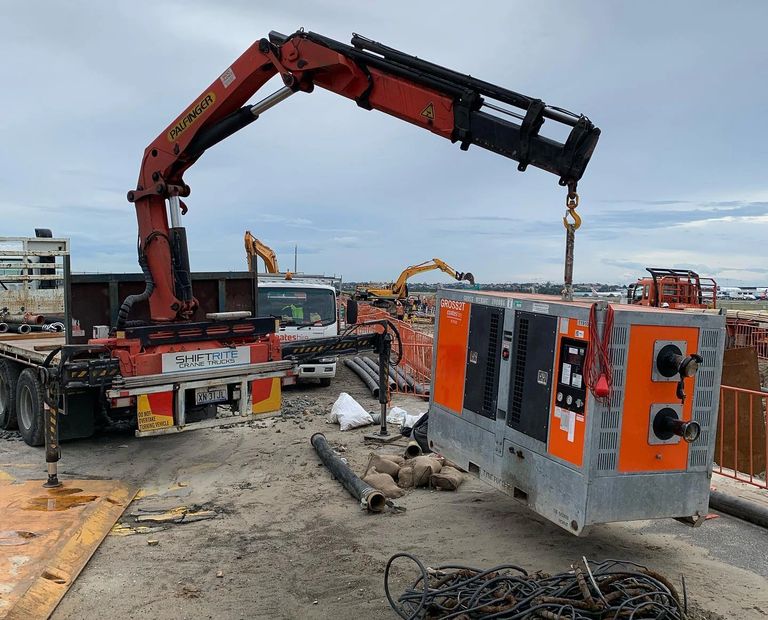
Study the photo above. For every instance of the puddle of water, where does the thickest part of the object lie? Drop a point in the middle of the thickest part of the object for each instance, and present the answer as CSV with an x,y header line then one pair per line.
x,y
14,538
65,491
54,504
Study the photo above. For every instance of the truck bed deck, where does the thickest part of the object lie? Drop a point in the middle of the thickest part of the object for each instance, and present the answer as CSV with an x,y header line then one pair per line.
x,y
29,348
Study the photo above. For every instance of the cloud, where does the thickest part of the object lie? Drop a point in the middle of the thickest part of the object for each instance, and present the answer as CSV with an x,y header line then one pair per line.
x,y
678,180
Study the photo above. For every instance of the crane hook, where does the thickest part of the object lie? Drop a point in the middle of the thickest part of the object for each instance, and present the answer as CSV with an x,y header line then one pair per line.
x,y
571,202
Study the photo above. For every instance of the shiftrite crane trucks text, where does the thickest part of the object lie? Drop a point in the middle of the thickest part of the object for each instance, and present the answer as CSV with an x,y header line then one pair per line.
x,y
183,358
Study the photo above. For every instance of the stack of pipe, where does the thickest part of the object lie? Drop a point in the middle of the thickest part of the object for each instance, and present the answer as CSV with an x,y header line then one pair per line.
x,y
28,322
368,371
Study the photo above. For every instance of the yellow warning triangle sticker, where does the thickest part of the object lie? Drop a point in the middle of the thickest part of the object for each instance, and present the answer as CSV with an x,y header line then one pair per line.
x,y
429,111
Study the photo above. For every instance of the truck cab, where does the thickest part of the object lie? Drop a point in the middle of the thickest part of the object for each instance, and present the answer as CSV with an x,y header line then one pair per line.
x,y
673,288
306,309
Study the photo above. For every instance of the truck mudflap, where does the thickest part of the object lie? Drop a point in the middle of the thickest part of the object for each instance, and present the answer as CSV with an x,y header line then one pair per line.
x,y
162,399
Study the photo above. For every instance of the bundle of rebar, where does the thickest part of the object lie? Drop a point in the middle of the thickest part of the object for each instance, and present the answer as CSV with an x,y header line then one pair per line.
x,y
589,591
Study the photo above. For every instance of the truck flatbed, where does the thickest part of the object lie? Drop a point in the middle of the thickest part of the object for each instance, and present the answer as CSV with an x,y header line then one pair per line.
x,y
30,348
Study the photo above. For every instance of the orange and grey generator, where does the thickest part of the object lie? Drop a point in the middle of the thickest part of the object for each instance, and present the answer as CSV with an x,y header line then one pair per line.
x,y
585,411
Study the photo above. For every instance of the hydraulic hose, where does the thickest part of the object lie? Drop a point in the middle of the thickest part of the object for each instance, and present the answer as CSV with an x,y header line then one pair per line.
x,y
125,308
370,498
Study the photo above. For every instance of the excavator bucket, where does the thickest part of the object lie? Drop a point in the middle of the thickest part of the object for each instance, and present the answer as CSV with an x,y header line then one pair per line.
x,y
48,535
468,277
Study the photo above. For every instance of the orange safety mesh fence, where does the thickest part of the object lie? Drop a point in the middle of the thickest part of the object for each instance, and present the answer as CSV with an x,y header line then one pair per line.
x,y
416,354
748,333
741,449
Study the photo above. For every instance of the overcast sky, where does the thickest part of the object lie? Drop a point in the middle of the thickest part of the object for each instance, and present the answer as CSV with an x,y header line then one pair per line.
x,y
679,90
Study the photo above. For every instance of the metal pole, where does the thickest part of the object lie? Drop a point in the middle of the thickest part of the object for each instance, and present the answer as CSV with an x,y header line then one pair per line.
x,y
386,348
52,450
571,202
570,238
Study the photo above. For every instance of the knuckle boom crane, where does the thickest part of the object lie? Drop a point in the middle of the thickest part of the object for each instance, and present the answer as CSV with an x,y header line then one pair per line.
x,y
177,367
447,103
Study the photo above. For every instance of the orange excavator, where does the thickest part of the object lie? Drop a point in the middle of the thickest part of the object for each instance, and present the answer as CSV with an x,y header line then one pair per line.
x,y
397,291
255,249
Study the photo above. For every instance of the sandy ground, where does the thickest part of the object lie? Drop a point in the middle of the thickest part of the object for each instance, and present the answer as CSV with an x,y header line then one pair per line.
x,y
289,542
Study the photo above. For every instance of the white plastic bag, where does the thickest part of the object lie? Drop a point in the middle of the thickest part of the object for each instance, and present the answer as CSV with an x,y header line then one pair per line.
x,y
396,415
349,413
399,416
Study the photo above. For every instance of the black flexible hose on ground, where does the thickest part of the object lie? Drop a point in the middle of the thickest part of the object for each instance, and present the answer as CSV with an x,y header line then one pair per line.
x,y
363,374
419,388
737,507
402,384
374,366
370,498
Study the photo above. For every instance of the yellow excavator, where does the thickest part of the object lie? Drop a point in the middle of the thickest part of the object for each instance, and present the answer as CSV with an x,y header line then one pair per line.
x,y
398,290
255,249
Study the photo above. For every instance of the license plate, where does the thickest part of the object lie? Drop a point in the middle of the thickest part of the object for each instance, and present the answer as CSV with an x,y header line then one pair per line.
x,y
204,396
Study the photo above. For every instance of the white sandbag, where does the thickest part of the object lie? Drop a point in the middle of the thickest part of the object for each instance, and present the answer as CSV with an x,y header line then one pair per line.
x,y
349,413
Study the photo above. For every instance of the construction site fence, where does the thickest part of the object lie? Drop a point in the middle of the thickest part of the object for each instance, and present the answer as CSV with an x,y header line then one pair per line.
x,y
741,448
414,349
749,332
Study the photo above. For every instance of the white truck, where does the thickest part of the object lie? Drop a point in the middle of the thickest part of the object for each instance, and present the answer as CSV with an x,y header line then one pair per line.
x,y
306,308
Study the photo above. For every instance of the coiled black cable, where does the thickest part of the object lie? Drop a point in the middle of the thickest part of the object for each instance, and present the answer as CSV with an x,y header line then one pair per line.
x,y
589,591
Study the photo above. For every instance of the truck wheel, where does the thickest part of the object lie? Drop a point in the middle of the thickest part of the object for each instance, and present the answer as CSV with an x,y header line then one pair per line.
x,y
325,382
9,376
29,408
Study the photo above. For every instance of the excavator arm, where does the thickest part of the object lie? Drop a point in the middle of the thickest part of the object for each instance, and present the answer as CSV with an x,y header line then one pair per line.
x,y
452,105
399,289
257,249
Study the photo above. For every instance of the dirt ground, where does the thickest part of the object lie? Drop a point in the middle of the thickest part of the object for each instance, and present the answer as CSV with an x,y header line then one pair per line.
x,y
288,542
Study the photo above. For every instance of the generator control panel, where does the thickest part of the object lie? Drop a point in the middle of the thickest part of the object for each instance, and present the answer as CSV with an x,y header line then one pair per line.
x,y
571,387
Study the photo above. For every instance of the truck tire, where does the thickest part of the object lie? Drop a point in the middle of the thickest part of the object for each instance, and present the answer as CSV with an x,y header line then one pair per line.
x,y
9,376
325,382
29,408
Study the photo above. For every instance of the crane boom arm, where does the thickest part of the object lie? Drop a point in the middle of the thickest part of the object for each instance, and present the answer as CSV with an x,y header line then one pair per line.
x,y
254,248
376,77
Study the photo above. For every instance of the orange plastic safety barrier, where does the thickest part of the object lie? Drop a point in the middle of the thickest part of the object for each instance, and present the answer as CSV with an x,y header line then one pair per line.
x,y
416,353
